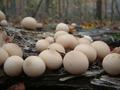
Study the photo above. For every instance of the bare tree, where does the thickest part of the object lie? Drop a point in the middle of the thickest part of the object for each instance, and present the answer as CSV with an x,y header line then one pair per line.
x,y
99,9
37,9
105,3
117,7
112,10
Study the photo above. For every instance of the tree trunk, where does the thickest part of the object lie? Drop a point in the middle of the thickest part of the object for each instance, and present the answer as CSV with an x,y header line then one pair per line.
x,y
2,5
66,9
47,3
59,8
99,9
117,8
112,10
37,9
105,9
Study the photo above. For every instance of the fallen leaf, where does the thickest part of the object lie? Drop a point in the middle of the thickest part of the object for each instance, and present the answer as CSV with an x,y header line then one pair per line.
x,y
19,86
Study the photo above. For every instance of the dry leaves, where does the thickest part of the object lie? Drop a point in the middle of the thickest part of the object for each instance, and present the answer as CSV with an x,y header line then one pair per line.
x,y
19,86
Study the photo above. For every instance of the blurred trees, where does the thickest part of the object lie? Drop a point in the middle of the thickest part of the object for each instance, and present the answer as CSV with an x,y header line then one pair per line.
x,y
76,10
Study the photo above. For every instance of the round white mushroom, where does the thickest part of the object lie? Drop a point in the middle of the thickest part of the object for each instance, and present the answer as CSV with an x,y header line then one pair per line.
x,y
84,41
62,27
3,56
2,16
88,50
59,33
88,37
13,49
34,66
42,45
58,47
111,64
102,48
29,23
4,23
75,62
50,39
13,66
67,41
52,59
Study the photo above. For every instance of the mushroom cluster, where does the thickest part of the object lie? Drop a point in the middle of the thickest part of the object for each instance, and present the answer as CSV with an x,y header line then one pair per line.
x,y
73,53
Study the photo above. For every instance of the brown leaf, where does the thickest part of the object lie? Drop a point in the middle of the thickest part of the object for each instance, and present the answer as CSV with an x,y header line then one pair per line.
x,y
19,86
116,50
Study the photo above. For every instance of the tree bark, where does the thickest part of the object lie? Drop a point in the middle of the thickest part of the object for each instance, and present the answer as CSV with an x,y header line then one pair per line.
x,y
117,8
47,3
105,9
112,10
37,9
59,8
99,9
66,9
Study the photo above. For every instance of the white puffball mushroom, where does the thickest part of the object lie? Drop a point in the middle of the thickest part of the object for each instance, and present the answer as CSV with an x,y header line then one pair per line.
x,y
58,47
34,66
111,64
59,33
50,39
88,50
67,41
62,27
102,48
13,66
3,56
75,62
74,24
88,37
13,49
2,16
29,23
39,25
42,45
4,23
52,59
84,41
77,39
